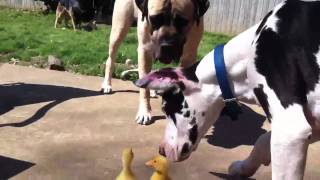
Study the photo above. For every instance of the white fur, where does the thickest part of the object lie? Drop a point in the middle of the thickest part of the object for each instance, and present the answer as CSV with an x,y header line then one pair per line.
x,y
288,142
293,127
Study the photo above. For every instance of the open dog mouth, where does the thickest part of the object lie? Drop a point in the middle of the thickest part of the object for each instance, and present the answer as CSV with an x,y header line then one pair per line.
x,y
171,154
168,49
168,53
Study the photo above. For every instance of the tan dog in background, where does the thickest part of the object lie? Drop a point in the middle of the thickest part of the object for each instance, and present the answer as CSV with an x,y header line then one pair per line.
x,y
167,30
65,13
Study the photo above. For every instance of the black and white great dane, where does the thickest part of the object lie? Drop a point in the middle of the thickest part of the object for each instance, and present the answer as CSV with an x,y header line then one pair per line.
x,y
275,63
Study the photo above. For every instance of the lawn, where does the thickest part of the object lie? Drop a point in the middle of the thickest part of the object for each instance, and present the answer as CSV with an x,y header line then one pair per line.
x,y
31,37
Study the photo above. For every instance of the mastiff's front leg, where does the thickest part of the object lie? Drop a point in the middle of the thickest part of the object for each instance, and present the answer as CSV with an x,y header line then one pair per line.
x,y
144,66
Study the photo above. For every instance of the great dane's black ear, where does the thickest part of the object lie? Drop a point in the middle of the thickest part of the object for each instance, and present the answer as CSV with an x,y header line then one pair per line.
x,y
143,6
201,7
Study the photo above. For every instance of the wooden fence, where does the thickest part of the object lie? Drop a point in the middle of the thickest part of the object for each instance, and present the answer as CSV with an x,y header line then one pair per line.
x,y
226,16
22,4
234,16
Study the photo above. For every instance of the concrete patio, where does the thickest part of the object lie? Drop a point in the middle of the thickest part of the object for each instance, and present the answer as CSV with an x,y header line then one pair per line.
x,y
57,126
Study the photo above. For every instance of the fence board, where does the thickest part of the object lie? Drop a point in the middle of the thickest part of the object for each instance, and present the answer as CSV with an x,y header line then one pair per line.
x,y
234,16
226,16
22,4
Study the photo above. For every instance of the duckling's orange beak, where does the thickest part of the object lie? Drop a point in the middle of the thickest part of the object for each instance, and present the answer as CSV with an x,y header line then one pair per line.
x,y
149,163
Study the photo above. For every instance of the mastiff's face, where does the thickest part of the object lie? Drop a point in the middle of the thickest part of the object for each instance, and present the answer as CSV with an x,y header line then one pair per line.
x,y
169,23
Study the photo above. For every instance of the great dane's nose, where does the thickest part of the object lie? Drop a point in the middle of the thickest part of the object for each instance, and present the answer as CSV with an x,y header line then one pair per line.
x,y
162,151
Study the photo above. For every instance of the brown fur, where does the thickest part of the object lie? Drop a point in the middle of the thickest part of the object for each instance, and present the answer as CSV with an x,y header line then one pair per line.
x,y
149,42
66,14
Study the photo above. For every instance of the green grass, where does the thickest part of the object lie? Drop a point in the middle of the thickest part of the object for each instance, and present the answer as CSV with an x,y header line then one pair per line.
x,y
25,35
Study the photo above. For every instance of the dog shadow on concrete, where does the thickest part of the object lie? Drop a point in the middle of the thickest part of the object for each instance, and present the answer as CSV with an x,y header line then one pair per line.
x,y
20,94
11,167
243,131
228,177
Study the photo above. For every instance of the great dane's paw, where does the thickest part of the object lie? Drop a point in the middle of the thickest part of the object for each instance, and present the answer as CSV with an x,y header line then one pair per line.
x,y
106,89
144,118
237,168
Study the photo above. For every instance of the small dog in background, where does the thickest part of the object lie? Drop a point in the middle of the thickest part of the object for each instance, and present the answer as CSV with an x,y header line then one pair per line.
x,y
78,11
65,13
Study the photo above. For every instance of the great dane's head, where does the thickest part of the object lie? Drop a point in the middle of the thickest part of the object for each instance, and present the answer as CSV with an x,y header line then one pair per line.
x,y
169,23
190,108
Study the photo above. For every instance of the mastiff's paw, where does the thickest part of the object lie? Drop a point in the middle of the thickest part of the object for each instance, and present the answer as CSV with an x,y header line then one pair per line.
x,y
106,89
144,118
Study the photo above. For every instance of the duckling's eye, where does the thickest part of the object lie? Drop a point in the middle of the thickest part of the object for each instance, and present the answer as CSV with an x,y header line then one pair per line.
x,y
155,161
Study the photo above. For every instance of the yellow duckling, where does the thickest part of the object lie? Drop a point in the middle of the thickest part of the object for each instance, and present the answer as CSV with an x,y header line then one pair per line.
x,y
161,167
126,173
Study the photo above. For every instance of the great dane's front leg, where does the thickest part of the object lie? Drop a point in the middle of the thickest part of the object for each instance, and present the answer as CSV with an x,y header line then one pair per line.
x,y
289,143
260,155
144,66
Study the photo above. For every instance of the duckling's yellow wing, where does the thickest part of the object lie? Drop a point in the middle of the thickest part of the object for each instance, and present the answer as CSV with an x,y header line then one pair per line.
x,y
126,176
157,176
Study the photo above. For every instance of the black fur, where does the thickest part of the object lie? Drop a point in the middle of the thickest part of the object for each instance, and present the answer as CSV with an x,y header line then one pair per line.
x,y
193,121
143,6
286,58
159,20
187,114
84,10
263,100
201,7
185,105
173,103
263,22
190,72
193,134
166,18
185,148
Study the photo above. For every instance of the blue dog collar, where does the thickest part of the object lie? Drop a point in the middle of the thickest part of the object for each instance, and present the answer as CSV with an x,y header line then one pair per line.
x,y
233,108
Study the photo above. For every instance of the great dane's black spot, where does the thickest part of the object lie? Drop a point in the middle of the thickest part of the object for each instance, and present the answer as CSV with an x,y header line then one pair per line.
x,y
193,134
203,113
185,148
263,100
187,114
287,57
173,103
193,121
190,73
185,105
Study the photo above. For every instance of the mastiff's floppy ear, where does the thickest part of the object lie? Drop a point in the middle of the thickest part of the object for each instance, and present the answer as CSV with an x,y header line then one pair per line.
x,y
200,7
143,6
